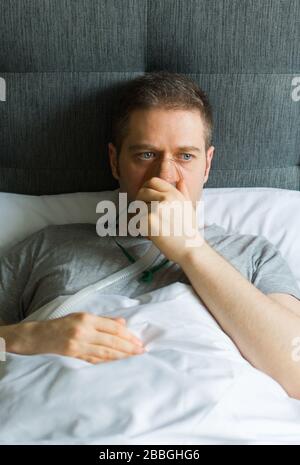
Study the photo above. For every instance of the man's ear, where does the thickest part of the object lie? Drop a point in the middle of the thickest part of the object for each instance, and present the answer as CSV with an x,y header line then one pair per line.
x,y
209,157
113,160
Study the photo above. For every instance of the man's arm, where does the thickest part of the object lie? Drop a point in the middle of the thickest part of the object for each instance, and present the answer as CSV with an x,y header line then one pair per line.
x,y
16,265
287,301
262,328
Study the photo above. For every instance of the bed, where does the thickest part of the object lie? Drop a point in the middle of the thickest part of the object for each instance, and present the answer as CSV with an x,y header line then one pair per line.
x,y
62,63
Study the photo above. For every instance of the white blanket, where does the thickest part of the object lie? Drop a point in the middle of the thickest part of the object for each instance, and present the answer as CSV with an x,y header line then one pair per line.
x,y
192,387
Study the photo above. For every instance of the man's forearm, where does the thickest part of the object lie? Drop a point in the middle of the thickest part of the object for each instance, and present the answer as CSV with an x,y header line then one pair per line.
x,y
262,329
17,337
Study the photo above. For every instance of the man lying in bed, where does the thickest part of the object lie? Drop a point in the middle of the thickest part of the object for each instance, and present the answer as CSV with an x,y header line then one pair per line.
x,y
163,129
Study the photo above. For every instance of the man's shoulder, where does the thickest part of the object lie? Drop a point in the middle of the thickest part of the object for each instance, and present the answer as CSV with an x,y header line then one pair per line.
x,y
57,233
68,228
54,234
237,242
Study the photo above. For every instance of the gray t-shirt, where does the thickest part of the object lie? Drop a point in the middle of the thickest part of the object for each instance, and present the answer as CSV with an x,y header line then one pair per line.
x,y
62,259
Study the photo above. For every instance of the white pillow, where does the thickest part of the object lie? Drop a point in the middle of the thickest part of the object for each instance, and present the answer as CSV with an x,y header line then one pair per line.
x,y
22,215
263,211
269,212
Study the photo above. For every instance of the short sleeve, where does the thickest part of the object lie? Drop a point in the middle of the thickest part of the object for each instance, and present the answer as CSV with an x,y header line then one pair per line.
x,y
272,272
15,269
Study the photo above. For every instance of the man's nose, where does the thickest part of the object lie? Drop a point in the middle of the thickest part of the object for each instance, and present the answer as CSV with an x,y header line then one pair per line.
x,y
167,169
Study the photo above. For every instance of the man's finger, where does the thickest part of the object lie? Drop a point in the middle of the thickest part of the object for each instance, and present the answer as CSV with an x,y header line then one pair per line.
x,y
121,320
147,194
156,183
181,186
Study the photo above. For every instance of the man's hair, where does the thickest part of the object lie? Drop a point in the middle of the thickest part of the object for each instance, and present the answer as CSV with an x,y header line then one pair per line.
x,y
160,89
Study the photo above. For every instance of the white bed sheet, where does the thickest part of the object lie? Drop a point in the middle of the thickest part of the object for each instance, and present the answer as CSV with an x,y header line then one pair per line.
x,y
192,386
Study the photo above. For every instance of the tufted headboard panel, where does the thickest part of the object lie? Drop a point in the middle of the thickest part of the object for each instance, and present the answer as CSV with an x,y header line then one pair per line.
x,y
62,61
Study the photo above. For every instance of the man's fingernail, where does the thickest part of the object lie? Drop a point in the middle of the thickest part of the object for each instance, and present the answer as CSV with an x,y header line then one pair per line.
x,y
140,350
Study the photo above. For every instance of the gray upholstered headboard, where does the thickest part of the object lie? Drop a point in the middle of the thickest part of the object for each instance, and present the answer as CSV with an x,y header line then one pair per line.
x,y
62,62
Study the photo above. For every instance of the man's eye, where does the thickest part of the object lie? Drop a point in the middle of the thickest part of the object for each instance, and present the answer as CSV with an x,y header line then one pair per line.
x,y
145,153
188,155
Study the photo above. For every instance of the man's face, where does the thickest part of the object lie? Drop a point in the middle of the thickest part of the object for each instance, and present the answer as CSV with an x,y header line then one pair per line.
x,y
161,133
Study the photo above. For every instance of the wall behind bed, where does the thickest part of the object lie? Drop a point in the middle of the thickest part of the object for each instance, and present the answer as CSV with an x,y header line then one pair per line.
x,y
63,60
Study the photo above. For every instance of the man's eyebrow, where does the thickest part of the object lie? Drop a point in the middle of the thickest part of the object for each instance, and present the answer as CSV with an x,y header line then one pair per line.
x,y
149,146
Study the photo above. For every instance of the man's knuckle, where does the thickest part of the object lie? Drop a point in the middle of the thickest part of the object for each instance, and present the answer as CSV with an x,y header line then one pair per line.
x,y
82,317
105,353
111,340
119,331
69,347
75,332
